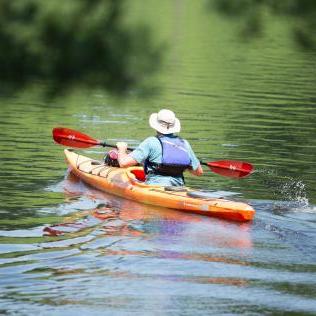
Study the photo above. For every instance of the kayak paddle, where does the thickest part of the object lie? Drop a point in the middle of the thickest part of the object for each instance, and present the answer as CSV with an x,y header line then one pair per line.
x,y
72,138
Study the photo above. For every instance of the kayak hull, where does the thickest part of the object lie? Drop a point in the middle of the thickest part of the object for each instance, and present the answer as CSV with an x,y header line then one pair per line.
x,y
124,182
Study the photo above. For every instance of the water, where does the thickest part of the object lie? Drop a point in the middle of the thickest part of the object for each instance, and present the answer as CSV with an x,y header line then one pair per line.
x,y
66,248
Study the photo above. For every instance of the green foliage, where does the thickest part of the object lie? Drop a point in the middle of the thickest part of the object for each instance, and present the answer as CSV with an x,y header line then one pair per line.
x,y
301,12
73,41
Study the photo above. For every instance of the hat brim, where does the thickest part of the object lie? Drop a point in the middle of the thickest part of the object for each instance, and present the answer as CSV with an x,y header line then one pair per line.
x,y
154,123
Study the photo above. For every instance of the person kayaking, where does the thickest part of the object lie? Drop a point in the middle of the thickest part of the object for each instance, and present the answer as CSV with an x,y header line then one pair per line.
x,y
165,156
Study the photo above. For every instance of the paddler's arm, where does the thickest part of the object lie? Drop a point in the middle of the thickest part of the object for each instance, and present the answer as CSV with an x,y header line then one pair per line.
x,y
124,159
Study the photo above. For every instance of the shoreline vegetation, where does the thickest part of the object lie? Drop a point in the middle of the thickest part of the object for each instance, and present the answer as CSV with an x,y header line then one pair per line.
x,y
70,42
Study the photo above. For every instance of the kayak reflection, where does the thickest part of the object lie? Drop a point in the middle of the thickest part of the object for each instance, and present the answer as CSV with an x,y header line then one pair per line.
x,y
115,216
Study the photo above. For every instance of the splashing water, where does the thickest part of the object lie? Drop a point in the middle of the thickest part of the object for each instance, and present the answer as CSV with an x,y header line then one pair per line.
x,y
295,190
285,188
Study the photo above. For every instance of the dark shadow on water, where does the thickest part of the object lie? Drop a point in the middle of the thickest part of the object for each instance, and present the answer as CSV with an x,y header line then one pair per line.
x,y
75,42
301,15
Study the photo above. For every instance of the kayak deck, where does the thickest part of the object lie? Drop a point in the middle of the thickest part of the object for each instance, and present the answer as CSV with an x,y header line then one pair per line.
x,y
129,183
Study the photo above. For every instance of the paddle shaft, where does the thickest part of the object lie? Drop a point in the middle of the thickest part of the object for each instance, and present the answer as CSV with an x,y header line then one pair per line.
x,y
131,149
104,144
72,138
209,164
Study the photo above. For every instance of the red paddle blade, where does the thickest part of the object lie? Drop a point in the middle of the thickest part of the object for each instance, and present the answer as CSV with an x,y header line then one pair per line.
x,y
72,138
231,168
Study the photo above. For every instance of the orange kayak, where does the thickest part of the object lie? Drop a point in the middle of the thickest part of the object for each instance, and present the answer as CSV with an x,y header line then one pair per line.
x,y
129,183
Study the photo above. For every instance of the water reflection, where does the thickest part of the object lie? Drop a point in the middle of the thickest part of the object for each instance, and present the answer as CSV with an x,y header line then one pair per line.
x,y
101,50
119,247
126,217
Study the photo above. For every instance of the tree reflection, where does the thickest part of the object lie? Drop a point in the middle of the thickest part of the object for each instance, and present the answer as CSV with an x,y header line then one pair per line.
x,y
301,14
72,41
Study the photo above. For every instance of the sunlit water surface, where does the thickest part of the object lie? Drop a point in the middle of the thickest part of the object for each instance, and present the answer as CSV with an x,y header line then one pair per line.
x,y
66,248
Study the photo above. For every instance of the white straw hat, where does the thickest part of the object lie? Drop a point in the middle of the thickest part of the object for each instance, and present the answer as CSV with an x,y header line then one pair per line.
x,y
165,122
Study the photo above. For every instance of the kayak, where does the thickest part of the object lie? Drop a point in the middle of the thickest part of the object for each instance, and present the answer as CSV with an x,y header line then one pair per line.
x,y
129,183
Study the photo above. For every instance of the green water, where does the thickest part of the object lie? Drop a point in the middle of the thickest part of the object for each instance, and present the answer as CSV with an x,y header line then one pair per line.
x,y
249,100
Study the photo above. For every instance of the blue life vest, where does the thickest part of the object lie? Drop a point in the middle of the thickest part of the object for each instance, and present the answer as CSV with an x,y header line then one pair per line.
x,y
175,157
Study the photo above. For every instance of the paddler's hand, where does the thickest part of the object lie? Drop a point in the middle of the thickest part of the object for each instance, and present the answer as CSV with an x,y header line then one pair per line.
x,y
124,159
122,147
